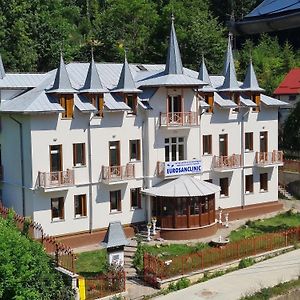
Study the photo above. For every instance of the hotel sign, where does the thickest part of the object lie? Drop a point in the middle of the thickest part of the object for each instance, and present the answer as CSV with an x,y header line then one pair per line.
x,y
184,167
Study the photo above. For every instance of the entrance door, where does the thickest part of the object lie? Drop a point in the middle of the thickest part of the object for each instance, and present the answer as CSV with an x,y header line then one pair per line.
x,y
263,141
175,109
55,158
223,145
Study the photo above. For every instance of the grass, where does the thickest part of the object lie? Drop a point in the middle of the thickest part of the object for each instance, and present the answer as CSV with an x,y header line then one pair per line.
x,y
91,263
172,250
279,289
253,228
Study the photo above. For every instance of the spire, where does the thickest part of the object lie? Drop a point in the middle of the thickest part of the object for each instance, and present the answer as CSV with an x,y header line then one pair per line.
x,y
92,82
62,83
230,81
250,82
229,55
2,70
203,74
174,63
126,83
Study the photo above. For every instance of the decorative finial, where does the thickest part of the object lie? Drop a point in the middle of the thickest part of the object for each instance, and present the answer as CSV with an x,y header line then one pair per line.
x,y
92,52
172,17
125,53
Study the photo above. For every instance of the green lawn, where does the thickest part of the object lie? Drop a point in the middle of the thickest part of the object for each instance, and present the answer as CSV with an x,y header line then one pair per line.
x,y
252,228
174,249
91,263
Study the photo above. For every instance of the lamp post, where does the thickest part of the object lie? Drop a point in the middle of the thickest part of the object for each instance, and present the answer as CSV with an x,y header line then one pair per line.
x,y
227,220
220,215
154,220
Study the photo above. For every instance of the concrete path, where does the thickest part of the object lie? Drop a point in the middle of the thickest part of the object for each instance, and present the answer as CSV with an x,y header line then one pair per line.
x,y
243,282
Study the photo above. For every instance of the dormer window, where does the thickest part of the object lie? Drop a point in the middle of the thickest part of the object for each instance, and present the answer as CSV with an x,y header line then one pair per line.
x,y
256,99
67,103
236,99
131,101
98,101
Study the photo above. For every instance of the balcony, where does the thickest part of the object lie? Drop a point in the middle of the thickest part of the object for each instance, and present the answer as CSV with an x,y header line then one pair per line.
x,y
267,159
56,179
179,119
227,163
113,174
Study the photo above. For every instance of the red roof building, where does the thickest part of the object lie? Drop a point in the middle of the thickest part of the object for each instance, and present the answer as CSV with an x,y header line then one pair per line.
x,y
290,84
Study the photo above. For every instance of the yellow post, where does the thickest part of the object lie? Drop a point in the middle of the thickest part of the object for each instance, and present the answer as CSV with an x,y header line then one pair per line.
x,y
81,285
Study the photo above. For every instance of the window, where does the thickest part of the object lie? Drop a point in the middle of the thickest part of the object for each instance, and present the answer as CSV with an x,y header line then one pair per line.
x,y
136,197
134,150
292,97
207,149
248,141
79,154
57,209
80,206
256,99
209,99
98,101
236,99
115,201
223,144
249,184
131,101
224,187
67,103
264,182
174,149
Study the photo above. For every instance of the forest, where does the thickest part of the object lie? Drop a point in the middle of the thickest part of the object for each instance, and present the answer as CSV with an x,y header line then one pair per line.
x,y
34,32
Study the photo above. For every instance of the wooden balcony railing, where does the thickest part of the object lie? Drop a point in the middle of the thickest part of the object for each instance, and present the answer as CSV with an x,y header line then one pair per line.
x,y
56,179
269,158
179,119
116,173
227,162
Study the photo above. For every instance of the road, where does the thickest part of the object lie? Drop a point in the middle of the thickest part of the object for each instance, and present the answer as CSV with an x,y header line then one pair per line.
x,y
243,282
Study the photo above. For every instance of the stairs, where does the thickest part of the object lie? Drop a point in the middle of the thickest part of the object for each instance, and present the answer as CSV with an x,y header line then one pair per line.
x,y
284,192
129,251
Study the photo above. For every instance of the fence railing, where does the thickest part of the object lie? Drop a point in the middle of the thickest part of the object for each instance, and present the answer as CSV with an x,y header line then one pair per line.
x,y
269,158
56,179
227,162
115,173
158,269
291,165
62,255
179,119
105,285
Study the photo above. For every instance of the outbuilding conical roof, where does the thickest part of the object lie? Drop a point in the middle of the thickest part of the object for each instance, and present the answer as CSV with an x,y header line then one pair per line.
x,y
250,82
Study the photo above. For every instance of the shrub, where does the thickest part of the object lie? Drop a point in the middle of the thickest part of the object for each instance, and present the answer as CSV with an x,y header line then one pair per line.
x,y
183,283
246,262
138,258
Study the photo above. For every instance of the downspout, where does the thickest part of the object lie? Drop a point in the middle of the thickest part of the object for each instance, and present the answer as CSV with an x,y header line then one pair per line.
x,y
90,175
22,163
243,159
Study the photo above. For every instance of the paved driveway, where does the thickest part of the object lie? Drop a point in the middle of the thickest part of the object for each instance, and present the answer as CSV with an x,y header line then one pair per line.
x,y
236,284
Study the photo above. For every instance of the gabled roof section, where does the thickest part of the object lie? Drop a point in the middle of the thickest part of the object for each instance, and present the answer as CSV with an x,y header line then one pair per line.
x,y
250,82
62,83
272,102
115,236
126,83
290,84
230,82
92,82
203,73
174,63
2,70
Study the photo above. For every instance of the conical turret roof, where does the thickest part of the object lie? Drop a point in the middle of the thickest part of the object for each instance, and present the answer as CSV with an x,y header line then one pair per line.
x,y
92,82
174,63
126,83
229,55
62,83
203,73
2,70
250,82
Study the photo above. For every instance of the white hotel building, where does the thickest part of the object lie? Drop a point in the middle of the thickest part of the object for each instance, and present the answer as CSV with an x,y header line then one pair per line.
x,y
88,144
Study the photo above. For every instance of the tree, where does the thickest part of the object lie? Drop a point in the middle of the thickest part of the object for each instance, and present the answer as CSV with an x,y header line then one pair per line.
x,y
291,136
26,272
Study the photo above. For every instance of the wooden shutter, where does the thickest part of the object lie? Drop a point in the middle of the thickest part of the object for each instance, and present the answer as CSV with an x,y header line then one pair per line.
x,y
83,205
211,102
69,107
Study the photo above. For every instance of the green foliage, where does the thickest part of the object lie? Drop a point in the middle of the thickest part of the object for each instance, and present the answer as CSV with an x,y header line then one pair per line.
x,y
291,136
26,272
138,258
246,262
182,283
92,263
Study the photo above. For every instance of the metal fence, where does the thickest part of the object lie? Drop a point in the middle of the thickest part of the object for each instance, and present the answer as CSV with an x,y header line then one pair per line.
x,y
291,165
104,285
62,254
158,268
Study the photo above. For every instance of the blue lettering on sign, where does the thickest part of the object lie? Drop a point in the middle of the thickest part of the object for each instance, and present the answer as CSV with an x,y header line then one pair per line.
x,y
182,167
